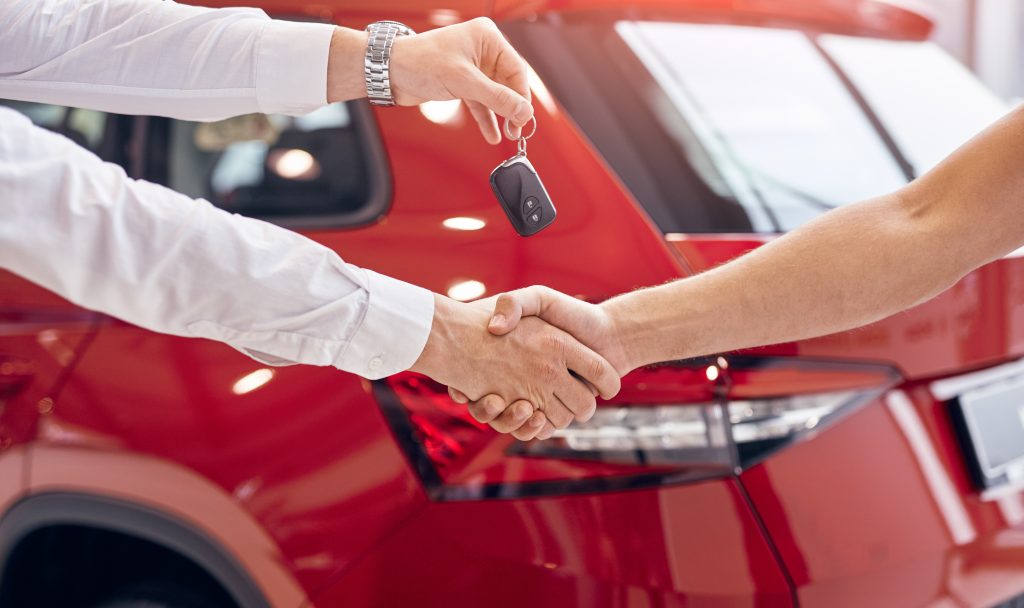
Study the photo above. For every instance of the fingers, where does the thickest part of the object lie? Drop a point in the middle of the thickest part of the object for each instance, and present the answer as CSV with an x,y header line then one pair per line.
x,y
503,77
593,368
577,397
510,70
513,418
485,120
489,408
531,427
546,431
498,98
457,396
520,419
557,412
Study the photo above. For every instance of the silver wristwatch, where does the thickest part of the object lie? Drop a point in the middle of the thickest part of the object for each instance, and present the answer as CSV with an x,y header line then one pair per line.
x,y
377,66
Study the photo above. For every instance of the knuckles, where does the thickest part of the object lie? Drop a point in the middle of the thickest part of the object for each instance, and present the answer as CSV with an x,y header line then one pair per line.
x,y
553,342
479,412
587,412
595,370
482,25
549,373
504,98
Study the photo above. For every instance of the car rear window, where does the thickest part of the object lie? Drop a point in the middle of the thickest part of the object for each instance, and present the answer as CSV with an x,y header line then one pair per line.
x,y
766,104
718,127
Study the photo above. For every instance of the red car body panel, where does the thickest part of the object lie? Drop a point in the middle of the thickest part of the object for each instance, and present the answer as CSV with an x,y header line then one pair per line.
x,y
935,539
878,18
667,548
882,18
41,336
302,481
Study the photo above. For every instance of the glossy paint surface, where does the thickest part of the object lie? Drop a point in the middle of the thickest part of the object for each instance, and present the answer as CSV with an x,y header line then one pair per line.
x,y
873,17
307,454
856,16
74,461
879,511
41,336
297,473
977,322
683,546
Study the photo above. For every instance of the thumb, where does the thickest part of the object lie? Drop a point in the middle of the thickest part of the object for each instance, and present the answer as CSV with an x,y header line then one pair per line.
x,y
512,306
508,310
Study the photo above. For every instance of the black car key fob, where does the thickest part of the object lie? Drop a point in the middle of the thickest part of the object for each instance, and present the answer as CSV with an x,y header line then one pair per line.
x,y
522,196
520,191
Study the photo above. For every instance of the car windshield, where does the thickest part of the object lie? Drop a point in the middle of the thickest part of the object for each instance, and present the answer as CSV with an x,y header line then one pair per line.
x,y
737,128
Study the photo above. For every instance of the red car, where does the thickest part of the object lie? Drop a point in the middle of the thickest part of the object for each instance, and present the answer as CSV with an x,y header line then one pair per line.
x,y
878,467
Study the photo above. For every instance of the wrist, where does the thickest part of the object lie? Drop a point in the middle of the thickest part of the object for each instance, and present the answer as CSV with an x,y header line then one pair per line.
x,y
439,341
345,79
665,323
456,330
628,332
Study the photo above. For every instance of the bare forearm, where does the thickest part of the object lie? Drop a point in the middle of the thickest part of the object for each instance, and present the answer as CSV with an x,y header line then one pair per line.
x,y
847,268
345,65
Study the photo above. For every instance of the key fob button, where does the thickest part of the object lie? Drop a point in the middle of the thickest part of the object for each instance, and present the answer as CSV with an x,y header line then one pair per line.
x,y
522,196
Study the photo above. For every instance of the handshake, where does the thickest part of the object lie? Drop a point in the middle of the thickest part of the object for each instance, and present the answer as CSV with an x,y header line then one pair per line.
x,y
529,361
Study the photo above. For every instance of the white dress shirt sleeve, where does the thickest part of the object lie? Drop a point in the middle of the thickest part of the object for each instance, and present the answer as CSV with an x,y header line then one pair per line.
x,y
148,255
158,259
161,58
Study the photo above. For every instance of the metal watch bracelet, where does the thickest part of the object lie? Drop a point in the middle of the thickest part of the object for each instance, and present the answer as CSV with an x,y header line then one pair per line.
x,y
377,64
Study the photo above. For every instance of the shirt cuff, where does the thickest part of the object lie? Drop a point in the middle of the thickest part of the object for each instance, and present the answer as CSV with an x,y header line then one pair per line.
x,y
291,67
393,332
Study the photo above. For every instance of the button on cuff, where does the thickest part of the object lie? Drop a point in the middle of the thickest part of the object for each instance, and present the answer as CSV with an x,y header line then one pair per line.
x,y
393,332
375,363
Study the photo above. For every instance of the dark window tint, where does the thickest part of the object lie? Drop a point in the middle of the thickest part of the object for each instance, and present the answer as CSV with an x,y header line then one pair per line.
x,y
323,169
107,135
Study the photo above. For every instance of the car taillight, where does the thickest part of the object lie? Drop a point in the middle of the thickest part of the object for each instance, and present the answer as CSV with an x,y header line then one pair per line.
x,y
670,423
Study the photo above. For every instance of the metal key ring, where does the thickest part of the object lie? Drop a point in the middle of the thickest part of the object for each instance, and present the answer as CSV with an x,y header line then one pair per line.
x,y
521,136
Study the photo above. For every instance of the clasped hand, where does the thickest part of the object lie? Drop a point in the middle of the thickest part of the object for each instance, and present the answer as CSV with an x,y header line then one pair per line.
x,y
532,365
527,362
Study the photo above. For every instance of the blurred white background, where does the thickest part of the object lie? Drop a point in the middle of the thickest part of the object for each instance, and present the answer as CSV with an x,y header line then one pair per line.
x,y
988,37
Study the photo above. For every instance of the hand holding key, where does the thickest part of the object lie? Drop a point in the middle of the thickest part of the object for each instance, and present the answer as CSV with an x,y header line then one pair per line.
x,y
520,191
470,61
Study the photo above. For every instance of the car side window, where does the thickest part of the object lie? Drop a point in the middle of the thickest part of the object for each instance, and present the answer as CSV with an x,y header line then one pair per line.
x,y
324,169
84,127
106,135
